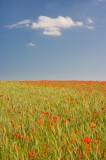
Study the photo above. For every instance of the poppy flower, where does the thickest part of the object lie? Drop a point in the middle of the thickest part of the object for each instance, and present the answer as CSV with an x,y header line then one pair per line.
x,y
102,108
62,147
16,134
92,125
69,118
87,140
38,154
16,147
46,146
39,121
93,117
22,136
95,112
31,154
95,141
75,131
44,113
101,154
45,151
88,147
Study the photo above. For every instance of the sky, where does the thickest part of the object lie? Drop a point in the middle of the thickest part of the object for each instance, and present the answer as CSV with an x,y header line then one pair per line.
x,y
53,40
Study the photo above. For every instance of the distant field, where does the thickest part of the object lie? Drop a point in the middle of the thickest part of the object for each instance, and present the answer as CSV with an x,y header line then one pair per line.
x,y
52,120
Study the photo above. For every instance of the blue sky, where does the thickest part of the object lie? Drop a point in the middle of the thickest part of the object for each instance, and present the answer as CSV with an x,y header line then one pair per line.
x,y
53,39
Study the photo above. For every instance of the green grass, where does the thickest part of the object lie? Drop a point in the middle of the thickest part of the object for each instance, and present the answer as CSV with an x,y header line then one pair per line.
x,y
52,120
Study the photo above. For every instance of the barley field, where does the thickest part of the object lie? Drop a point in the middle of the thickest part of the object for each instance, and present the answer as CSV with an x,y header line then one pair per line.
x,y
52,120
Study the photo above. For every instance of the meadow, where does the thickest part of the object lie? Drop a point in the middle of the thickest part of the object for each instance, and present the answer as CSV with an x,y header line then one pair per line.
x,y
52,120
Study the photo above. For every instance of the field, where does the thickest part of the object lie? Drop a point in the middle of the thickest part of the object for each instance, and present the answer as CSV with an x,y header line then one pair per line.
x,y
52,120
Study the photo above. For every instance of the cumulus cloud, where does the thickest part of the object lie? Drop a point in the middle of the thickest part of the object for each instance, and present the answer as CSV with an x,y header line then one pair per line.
x,y
53,26
31,44
52,33
20,24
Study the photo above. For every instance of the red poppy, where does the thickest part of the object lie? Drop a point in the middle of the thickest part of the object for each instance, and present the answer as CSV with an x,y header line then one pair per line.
x,y
38,154
43,112
16,134
39,121
22,136
87,140
102,108
93,117
50,117
88,147
92,125
46,146
62,147
31,154
75,131
45,151
69,118
101,154
95,112
95,141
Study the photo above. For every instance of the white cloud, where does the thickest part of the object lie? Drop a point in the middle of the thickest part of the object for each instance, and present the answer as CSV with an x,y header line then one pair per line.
x,y
89,21
53,26
89,24
31,44
52,33
20,24
90,27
